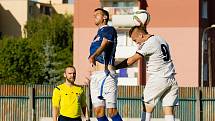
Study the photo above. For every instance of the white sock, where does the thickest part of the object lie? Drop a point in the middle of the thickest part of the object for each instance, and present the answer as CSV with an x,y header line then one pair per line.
x,y
169,118
146,116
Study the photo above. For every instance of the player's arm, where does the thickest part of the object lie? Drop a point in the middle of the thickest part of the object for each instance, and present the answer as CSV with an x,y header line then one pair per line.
x,y
55,112
129,61
86,113
55,103
84,107
104,44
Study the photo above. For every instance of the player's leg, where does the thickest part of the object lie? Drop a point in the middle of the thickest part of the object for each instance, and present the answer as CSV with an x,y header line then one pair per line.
x,y
113,113
170,99
98,104
110,94
153,91
147,111
169,113
148,102
100,113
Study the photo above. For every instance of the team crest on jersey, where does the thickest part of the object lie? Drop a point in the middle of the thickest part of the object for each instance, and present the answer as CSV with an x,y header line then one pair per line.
x,y
96,38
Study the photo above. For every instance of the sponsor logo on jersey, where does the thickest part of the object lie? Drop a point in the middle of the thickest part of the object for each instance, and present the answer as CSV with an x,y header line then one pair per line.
x,y
96,39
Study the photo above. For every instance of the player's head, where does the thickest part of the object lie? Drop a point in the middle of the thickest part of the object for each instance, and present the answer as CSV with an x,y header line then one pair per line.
x,y
70,74
141,18
101,16
137,29
137,34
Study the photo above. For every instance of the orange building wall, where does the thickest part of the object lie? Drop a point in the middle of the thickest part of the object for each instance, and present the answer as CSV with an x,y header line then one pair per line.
x,y
174,13
84,31
176,21
83,13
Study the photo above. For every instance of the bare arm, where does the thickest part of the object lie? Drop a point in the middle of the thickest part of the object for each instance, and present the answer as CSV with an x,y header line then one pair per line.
x,y
86,112
55,113
129,61
98,51
134,58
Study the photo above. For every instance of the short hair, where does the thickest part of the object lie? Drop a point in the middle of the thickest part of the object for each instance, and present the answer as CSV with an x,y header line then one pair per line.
x,y
69,66
140,28
104,12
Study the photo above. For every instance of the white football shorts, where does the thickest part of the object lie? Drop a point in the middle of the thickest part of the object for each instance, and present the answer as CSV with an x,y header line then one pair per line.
x,y
103,88
163,89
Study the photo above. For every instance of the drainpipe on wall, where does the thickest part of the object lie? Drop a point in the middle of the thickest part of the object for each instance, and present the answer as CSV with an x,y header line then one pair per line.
x,y
204,47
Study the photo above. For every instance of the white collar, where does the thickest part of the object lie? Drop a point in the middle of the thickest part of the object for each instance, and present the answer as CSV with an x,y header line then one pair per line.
x,y
103,26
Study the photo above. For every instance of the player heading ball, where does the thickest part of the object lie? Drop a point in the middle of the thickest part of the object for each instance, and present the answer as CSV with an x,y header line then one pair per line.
x,y
141,18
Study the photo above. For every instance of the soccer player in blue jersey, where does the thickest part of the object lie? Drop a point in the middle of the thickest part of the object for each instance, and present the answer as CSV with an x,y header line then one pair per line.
x,y
103,84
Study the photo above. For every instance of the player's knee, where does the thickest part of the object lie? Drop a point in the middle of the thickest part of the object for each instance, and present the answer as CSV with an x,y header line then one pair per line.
x,y
112,112
99,111
148,108
168,110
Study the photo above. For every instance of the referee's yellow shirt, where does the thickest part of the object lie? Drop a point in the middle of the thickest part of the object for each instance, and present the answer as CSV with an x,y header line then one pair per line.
x,y
70,100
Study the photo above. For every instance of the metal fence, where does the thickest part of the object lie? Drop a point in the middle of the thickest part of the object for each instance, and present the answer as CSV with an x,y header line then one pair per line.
x,y
30,102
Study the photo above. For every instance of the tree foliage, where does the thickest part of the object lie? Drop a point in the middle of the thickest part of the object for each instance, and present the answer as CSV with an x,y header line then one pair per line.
x,y
19,62
40,57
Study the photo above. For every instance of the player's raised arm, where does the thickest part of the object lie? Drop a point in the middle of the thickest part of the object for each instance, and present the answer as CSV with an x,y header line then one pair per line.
x,y
129,61
98,51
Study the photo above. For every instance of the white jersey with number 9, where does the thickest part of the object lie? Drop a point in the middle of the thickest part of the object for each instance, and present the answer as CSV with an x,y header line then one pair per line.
x,y
157,55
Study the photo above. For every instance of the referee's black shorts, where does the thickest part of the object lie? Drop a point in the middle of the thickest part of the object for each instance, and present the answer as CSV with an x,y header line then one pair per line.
x,y
64,118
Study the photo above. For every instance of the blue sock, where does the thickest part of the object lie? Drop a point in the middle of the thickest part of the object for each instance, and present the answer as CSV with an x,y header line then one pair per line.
x,y
103,118
117,117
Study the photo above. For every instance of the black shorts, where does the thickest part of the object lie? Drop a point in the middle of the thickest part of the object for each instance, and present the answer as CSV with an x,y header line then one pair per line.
x,y
64,118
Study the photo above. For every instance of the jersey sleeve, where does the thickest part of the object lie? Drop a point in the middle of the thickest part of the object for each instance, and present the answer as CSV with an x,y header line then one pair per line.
x,y
56,97
146,49
109,33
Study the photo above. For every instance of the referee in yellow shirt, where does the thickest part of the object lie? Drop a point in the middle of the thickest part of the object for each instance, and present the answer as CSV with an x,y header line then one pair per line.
x,y
69,100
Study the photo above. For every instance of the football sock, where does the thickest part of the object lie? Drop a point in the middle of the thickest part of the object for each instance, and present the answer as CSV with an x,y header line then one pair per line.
x,y
169,118
146,116
117,117
103,118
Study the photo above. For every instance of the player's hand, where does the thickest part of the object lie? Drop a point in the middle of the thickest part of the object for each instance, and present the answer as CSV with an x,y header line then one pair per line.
x,y
92,61
114,68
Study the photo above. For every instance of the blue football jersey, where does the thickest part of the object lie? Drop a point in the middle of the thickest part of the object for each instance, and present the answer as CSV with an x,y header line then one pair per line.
x,y
107,57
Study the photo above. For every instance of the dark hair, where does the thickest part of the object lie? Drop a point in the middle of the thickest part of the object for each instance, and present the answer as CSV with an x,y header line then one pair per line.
x,y
104,12
69,66
140,28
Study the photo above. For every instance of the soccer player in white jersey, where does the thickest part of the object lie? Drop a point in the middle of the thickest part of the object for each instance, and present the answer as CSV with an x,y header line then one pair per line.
x,y
161,84
103,82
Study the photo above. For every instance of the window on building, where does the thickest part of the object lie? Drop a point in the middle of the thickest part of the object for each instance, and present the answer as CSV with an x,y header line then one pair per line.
x,y
47,10
30,10
124,43
127,76
65,1
119,7
124,39
112,3
41,9
0,35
